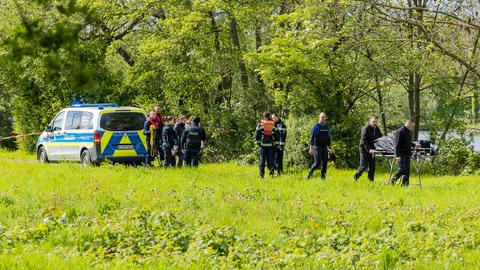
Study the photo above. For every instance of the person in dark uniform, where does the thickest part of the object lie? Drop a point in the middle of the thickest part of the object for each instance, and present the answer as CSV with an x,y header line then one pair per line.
x,y
266,135
169,138
150,129
320,142
282,131
403,152
193,140
370,133
177,149
161,124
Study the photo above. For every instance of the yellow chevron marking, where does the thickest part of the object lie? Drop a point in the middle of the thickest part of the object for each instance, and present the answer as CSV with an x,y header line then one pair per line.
x,y
124,153
107,135
143,138
125,139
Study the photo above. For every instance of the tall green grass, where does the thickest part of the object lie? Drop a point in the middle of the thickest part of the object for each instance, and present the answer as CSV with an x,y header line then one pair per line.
x,y
225,216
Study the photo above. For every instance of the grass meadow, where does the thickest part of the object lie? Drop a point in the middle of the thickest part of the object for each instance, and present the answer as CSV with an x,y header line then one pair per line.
x,y
223,216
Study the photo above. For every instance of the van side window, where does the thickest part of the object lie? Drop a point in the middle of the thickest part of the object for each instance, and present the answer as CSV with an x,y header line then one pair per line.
x,y
73,120
86,121
57,123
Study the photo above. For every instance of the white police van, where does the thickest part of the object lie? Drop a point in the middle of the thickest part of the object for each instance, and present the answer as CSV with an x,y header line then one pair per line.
x,y
92,133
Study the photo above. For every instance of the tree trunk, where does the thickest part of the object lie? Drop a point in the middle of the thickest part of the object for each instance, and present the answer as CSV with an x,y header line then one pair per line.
x,y
236,43
225,86
258,44
416,117
411,102
378,89
474,109
383,117
414,75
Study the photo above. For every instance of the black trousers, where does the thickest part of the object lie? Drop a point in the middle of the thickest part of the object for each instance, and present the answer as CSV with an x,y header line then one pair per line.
x,y
366,161
160,150
279,160
321,160
191,157
169,158
403,170
267,155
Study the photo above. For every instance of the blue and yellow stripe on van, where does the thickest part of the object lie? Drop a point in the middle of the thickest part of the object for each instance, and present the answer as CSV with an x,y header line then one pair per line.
x,y
79,139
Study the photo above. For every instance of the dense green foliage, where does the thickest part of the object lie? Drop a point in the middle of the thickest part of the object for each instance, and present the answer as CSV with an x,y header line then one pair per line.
x,y
456,158
227,61
223,216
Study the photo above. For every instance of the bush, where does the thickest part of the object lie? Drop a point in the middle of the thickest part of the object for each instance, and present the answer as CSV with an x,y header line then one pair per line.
x,y
456,157
230,136
296,149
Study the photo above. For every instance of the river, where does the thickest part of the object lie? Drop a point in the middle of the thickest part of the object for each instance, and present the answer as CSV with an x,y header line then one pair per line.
x,y
423,135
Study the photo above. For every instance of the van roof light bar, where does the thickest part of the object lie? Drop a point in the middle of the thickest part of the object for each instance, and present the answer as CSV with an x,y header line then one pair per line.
x,y
92,105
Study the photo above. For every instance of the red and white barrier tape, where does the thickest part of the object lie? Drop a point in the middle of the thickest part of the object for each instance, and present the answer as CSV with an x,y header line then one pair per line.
x,y
19,136
38,133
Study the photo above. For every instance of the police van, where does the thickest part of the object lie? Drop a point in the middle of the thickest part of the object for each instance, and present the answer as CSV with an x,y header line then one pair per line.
x,y
92,133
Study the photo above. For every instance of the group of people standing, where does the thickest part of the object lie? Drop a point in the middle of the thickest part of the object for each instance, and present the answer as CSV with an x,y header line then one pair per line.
x,y
175,143
271,135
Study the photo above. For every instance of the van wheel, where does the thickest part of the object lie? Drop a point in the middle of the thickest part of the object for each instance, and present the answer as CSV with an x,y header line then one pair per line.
x,y
42,155
86,160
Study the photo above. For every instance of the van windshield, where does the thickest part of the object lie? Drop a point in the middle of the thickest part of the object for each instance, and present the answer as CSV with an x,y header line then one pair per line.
x,y
122,121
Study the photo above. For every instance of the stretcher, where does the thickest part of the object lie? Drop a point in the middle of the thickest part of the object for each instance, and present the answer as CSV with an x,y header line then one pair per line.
x,y
419,157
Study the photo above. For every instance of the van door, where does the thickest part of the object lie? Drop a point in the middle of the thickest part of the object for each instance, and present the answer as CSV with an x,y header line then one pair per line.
x,y
57,136
78,133
72,126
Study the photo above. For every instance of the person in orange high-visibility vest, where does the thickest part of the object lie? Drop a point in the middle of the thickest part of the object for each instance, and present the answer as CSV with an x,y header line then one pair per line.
x,y
267,137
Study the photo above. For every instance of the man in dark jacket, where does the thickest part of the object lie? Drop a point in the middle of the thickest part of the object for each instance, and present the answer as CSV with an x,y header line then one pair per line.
x,y
169,137
150,129
193,139
320,141
266,135
370,133
403,152
282,131
177,149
